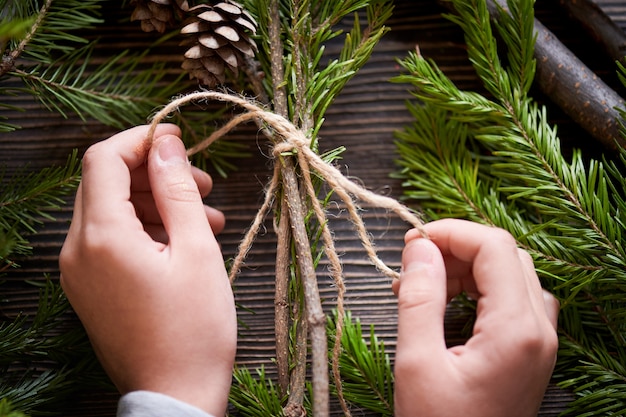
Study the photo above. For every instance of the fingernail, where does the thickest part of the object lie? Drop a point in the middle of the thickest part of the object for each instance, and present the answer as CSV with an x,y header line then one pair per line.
x,y
417,252
171,151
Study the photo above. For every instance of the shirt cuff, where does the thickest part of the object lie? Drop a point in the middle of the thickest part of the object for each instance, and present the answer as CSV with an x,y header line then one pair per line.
x,y
154,404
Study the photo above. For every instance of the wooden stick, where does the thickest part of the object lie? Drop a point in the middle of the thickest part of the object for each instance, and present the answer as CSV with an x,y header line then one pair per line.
x,y
598,25
315,317
281,298
297,382
572,86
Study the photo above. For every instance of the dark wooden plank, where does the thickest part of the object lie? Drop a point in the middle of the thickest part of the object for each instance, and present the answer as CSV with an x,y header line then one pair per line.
x,y
363,119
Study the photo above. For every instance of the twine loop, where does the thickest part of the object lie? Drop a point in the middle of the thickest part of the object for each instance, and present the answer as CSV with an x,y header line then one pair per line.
x,y
293,139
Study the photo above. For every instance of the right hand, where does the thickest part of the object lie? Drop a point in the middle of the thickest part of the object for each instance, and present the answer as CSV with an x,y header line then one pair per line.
x,y
506,365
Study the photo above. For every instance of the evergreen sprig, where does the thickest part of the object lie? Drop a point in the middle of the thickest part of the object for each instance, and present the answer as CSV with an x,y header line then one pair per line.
x,y
255,395
28,344
52,61
301,81
308,26
27,198
115,93
366,371
54,27
497,160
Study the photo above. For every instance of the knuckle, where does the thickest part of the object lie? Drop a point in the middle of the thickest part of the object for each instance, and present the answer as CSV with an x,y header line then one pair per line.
x,y
540,339
183,190
551,341
525,257
91,154
502,237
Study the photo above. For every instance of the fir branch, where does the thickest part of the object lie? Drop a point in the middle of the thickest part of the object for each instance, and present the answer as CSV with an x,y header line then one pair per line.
x,y
367,377
255,395
358,47
26,199
28,342
115,93
502,165
303,89
293,36
8,62
52,30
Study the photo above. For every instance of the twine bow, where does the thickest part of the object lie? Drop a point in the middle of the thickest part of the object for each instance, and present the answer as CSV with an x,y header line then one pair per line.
x,y
294,140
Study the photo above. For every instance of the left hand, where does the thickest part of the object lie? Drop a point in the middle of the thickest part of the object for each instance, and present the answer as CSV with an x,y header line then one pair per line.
x,y
144,272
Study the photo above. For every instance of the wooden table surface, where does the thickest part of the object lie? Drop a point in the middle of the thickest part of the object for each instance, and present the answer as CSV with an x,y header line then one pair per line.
x,y
363,119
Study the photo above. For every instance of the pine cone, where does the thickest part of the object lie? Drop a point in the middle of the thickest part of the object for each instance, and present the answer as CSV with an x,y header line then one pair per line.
x,y
219,40
158,14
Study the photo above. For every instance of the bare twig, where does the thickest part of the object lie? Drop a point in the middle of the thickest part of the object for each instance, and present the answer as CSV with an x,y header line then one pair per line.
x,y
295,407
281,298
278,71
337,274
316,319
281,301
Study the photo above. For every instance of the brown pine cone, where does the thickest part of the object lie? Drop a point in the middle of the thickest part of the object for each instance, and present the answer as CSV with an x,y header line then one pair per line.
x,y
158,15
219,39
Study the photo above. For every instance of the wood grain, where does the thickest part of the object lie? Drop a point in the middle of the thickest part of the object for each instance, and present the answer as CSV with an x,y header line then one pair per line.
x,y
363,119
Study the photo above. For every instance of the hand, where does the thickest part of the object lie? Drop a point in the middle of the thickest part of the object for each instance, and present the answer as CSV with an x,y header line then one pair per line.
x,y
505,367
144,273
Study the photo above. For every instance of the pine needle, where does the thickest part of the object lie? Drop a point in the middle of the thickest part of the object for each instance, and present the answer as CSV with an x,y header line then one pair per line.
x,y
498,161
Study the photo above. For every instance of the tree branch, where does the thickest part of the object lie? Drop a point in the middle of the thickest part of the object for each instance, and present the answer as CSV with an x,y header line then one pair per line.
x,y
8,62
571,85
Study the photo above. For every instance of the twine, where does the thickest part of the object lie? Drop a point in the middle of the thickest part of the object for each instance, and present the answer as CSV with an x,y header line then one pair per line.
x,y
295,142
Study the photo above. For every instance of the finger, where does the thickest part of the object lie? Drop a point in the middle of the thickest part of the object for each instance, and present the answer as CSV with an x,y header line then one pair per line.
x,y
552,308
73,232
492,253
107,168
459,272
157,232
216,219
141,182
535,292
421,301
175,192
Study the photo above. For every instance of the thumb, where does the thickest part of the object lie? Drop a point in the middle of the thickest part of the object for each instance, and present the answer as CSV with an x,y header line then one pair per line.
x,y
422,299
174,189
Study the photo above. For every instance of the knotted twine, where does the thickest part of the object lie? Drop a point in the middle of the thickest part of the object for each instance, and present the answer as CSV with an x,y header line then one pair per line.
x,y
295,142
